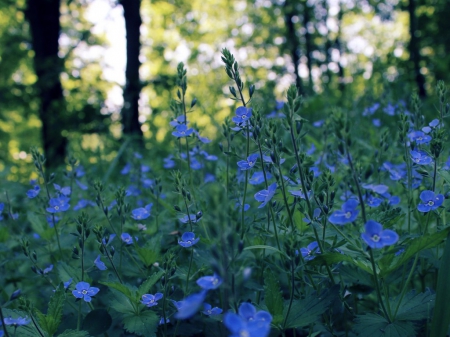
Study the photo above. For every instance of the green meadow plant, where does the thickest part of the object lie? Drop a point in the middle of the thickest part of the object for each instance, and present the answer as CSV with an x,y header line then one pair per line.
x,y
286,225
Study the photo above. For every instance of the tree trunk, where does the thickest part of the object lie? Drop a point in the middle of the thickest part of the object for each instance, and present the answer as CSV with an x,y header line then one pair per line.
x,y
130,111
293,42
414,48
43,16
308,44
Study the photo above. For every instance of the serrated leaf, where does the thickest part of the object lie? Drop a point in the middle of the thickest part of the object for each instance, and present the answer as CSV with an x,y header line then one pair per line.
x,y
74,333
145,287
143,325
124,289
441,315
331,258
148,256
120,303
374,325
415,306
414,246
273,297
267,248
67,272
306,311
55,309
40,227
97,322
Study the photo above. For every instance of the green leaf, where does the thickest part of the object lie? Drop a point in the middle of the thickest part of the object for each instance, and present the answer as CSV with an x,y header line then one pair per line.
x,y
331,258
97,322
55,309
268,248
124,289
148,256
377,326
415,306
143,325
415,246
40,227
441,315
67,272
74,333
306,311
120,303
273,296
145,287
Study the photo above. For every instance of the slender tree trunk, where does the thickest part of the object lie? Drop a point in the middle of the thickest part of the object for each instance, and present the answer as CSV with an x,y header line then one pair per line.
x,y
130,111
293,41
339,47
308,43
43,16
414,48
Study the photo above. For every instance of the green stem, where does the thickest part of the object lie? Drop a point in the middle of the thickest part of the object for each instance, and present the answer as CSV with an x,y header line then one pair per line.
x,y
402,294
377,286
189,272
2,320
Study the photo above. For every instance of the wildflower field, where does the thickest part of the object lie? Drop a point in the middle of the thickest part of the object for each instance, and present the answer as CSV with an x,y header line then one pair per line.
x,y
330,224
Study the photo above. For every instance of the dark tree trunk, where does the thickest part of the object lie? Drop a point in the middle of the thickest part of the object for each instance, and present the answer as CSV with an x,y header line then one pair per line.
x,y
293,42
339,47
130,111
308,44
414,48
43,16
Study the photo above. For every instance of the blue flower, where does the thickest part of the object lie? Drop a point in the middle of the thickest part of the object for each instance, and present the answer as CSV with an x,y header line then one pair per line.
x,y
178,121
126,238
376,237
265,196
347,214
169,162
243,114
249,163
60,204
142,212
258,178
210,311
126,169
151,300
182,131
380,189
419,137
100,264
420,157
188,239
239,206
85,291
83,203
373,201
248,323
33,193
47,270
192,217
310,250
17,321
430,201
210,282
63,190
68,283
2,206
190,305
161,321
371,110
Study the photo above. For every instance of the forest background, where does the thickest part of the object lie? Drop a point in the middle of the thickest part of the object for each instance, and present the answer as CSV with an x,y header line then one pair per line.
x,y
60,93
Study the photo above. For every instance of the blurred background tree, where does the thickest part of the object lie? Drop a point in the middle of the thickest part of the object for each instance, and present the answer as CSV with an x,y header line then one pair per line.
x,y
57,90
